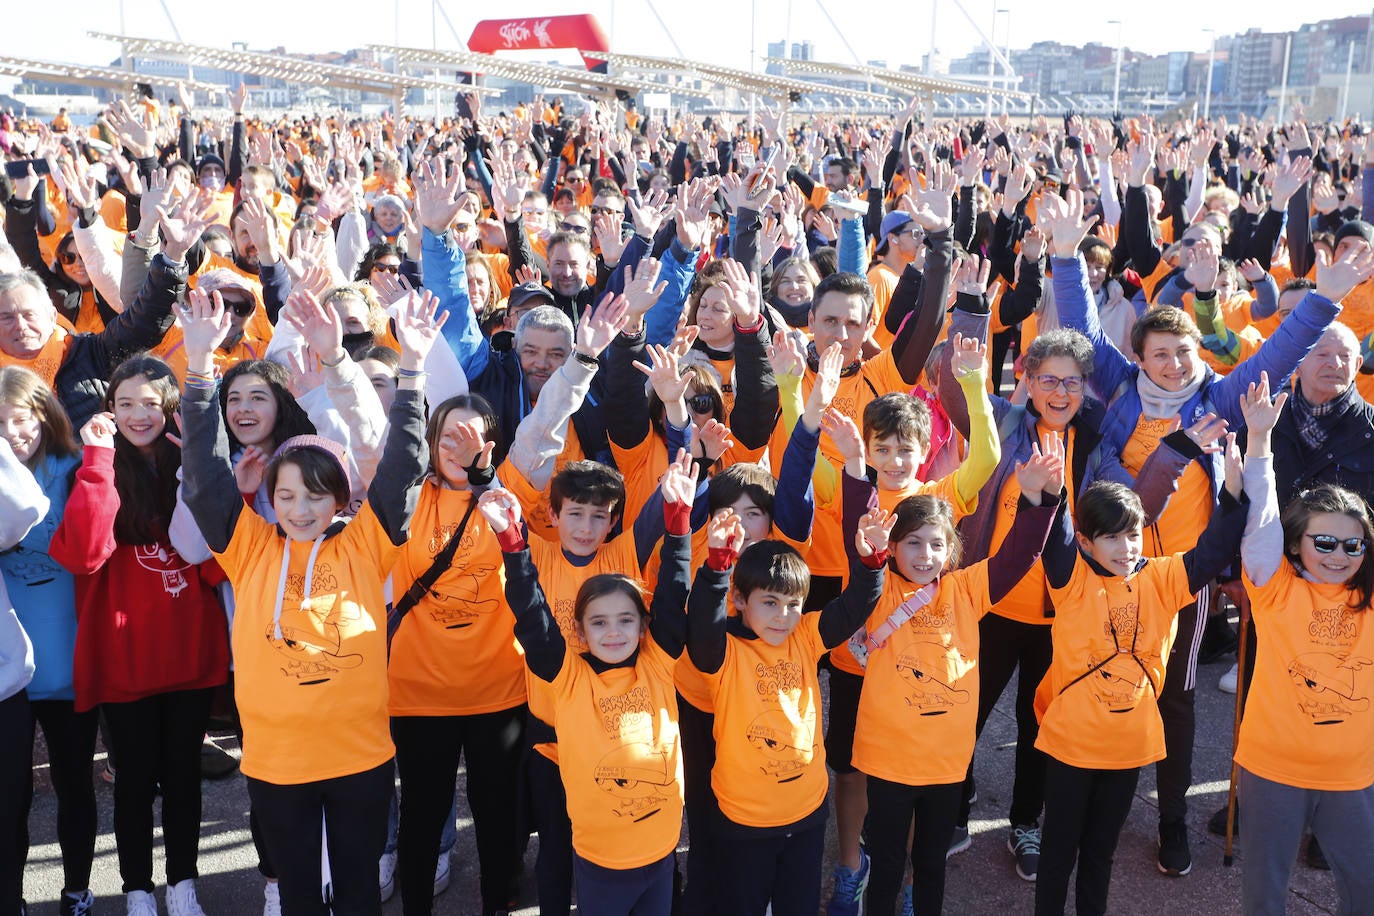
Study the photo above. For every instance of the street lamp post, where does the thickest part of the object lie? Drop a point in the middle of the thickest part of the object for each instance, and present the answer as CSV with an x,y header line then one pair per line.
x,y
1211,62
1006,82
1116,80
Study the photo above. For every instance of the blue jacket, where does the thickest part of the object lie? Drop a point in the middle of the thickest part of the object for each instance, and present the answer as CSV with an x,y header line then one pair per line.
x,y
43,593
1114,376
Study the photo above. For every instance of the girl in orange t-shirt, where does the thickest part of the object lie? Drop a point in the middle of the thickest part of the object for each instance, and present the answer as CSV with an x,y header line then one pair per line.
x,y
613,706
914,733
1306,750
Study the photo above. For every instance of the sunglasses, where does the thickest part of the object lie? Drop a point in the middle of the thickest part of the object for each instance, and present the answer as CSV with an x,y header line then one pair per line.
x,y
241,307
464,227
1327,543
1049,384
597,211
68,256
573,228
701,403
576,179
387,268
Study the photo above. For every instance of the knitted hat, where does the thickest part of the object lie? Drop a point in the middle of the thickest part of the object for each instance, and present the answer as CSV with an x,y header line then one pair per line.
x,y
209,159
1356,228
320,444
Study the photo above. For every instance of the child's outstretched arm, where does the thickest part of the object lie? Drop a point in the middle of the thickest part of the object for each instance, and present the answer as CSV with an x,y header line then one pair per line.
x,y
395,489
867,567
984,447
535,626
706,607
1261,547
208,482
1042,481
1220,540
668,613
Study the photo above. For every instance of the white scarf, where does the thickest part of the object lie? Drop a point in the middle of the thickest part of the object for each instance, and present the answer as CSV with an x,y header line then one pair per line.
x,y
1158,404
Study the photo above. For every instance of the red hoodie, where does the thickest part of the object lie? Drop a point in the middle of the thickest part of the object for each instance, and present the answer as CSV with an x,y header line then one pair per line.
x,y
148,622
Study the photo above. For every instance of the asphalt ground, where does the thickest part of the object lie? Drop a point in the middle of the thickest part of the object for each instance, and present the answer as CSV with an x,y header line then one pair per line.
x,y
980,881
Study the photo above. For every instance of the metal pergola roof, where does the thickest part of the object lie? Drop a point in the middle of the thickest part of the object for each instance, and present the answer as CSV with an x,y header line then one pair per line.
x,y
281,67
760,83
571,78
902,81
111,78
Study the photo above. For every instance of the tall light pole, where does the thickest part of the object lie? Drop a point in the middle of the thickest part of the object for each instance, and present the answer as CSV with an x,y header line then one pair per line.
x,y
1211,62
1006,81
992,55
1116,80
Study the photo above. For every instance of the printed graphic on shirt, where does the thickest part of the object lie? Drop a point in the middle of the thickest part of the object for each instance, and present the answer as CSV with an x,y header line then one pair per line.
x,y
931,669
1118,680
312,636
458,604
29,568
637,777
632,773
165,561
1326,686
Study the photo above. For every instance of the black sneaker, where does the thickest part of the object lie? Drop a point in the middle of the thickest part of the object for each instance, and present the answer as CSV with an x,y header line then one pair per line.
x,y
959,842
1217,823
1024,844
80,904
1175,858
1315,857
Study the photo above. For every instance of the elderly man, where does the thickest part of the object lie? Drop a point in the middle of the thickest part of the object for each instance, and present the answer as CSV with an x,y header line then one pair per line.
x,y
76,366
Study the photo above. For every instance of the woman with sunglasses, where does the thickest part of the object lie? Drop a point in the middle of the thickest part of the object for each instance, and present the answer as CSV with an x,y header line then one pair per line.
x,y
1306,748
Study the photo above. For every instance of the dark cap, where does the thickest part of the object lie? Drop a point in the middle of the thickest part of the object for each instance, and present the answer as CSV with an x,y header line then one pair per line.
x,y
521,296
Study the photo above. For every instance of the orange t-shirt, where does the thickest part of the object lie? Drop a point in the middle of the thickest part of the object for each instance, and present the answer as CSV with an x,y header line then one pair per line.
x,y
1027,600
919,706
884,281
770,762
455,653
534,504
1182,522
1109,719
944,488
1308,721
313,702
619,756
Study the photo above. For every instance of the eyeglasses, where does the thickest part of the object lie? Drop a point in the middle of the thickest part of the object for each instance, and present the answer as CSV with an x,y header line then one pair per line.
x,y
701,403
575,179
597,211
573,228
68,257
535,211
387,268
1049,384
1326,543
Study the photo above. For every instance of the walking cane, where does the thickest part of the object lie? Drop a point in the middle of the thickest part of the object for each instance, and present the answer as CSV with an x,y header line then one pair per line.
x,y
1244,608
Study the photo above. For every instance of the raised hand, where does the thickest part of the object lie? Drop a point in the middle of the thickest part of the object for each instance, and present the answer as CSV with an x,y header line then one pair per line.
x,y
744,293
305,371
82,189
138,133
875,532
1033,244
469,446
691,212
183,224
785,356
1043,472
1017,188
500,508
1261,414
649,217
934,207
1207,432
1141,156
679,484
1202,272
969,355
599,326
99,431
973,276
1062,218
663,372
1336,279
250,470
1251,270
1235,467
438,195
205,324
971,168
1290,177
319,326
712,440
844,432
261,223
725,531
418,323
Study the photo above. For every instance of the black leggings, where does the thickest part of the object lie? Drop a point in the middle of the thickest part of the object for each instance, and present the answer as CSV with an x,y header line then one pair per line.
x,y
16,794
1007,646
702,809
755,868
892,810
156,744
70,737
1084,813
1174,774
352,809
549,806
428,749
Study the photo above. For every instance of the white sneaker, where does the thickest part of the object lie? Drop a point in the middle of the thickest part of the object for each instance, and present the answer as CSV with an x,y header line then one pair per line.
x,y
271,899
386,875
441,875
1227,684
181,899
140,903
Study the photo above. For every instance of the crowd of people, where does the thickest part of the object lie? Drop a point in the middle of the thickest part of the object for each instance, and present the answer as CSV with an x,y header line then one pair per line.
x,y
580,450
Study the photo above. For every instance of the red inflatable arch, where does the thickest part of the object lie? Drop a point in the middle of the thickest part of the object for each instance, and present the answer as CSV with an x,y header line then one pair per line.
x,y
539,32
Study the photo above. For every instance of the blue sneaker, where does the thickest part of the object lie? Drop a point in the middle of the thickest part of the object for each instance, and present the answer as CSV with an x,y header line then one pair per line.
x,y
848,896
908,908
